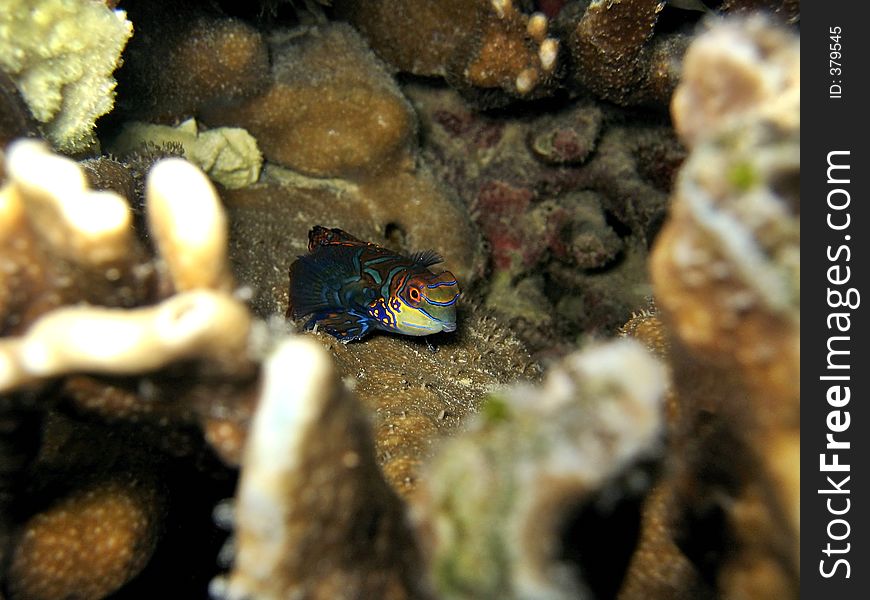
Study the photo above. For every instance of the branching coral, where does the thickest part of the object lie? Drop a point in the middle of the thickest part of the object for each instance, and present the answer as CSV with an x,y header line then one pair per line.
x,y
314,517
62,62
168,366
485,45
726,270
66,244
130,361
616,56
499,498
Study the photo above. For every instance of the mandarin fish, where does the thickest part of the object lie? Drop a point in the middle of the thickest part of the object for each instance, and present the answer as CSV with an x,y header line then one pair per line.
x,y
350,287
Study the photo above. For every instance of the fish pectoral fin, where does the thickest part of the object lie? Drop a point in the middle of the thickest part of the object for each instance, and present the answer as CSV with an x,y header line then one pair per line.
x,y
347,326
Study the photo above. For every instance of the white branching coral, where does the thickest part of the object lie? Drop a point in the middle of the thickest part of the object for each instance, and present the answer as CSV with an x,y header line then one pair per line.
x,y
314,516
197,324
47,213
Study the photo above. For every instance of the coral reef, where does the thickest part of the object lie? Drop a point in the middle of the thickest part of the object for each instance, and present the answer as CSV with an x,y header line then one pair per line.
x,y
416,395
269,225
567,201
183,58
148,375
327,114
67,83
132,355
66,245
90,542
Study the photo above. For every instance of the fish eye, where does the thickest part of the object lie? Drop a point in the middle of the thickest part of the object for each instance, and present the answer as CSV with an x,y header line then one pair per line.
x,y
414,294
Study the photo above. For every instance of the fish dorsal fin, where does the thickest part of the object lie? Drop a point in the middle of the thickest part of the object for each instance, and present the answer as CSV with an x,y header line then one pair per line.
x,y
426,258
322,236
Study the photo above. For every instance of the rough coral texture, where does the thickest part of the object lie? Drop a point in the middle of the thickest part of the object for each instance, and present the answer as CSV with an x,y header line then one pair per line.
x,y
567,202
65,244
416,395
88,543
787,10
498,498
726,270
183,58
329,114
62,63
616,56
339,123
314,517
275,216
228,155
488,48
545,209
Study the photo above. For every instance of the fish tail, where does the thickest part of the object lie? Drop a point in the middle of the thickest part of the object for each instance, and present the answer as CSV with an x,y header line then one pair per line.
x,y
307,289
315,280
291,312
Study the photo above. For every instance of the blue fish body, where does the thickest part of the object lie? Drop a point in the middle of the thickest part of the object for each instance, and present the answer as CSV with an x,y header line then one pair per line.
x,y
350,287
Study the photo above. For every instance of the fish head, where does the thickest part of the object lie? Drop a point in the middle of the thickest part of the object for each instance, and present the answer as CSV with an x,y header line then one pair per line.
x,y
428,303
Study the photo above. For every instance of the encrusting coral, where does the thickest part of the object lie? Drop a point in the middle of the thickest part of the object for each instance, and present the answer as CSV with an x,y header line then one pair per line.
x,y
329,114
146,367
62,62
416,395
169,365
326,114
568,202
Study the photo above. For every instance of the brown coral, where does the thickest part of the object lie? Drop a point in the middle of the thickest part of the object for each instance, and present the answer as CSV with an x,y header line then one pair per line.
x,y
417,396
616,56
88,543
328,113
66,243
314,516
726,270
482,46
175,66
